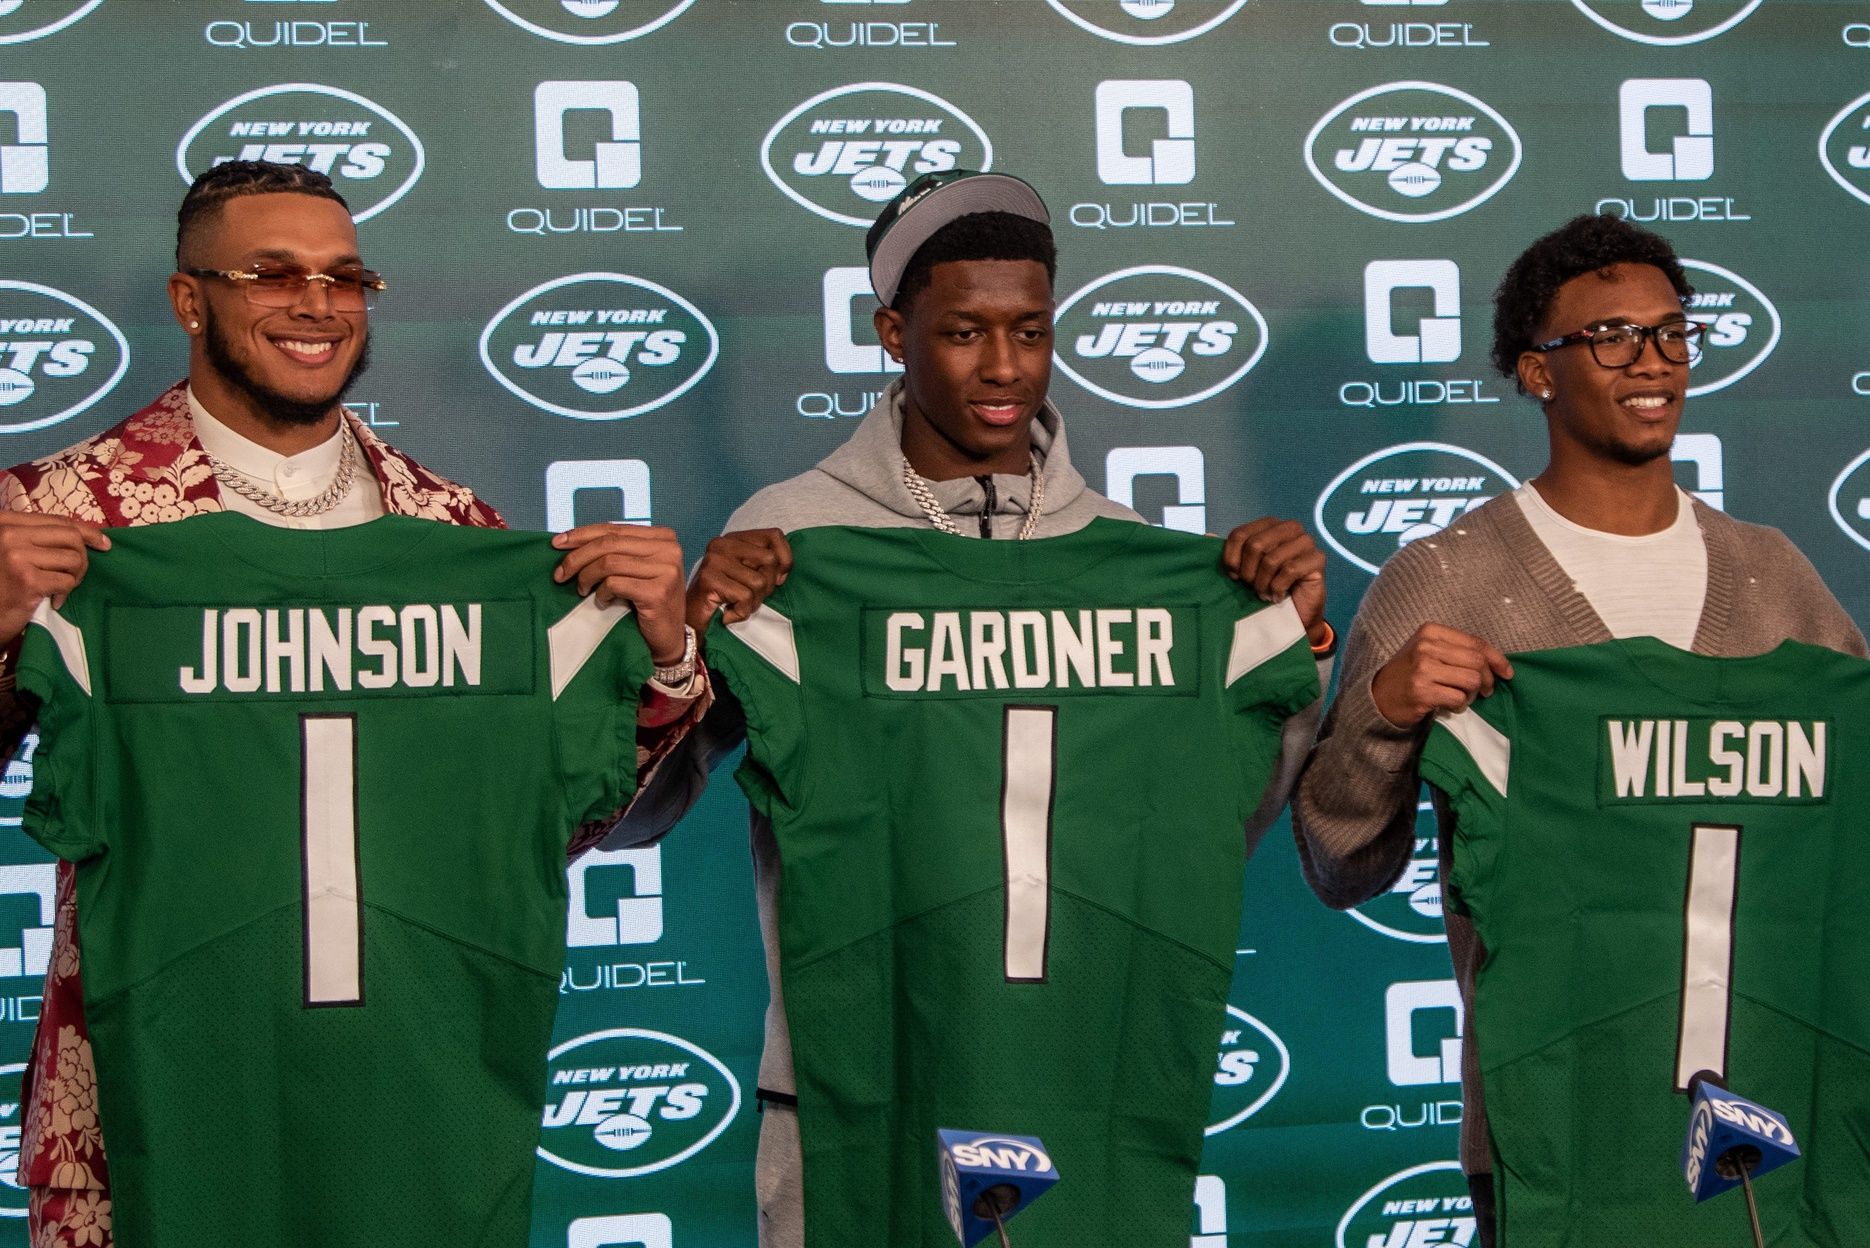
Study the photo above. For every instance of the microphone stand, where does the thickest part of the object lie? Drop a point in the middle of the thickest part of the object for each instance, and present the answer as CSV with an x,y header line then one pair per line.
x,y
1739,1162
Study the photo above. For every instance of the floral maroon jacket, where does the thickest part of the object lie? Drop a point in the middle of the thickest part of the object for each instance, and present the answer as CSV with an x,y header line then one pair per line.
x,y
150,469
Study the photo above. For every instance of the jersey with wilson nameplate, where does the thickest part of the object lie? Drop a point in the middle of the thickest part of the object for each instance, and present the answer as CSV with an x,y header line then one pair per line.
x,y
1668,859
319,786
1008,782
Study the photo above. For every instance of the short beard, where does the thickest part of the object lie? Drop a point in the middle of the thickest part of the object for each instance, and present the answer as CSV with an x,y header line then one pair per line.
x,y
1629,456
281,409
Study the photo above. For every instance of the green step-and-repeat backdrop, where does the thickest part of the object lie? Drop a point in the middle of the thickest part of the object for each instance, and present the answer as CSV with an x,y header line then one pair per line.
x,y
1280,225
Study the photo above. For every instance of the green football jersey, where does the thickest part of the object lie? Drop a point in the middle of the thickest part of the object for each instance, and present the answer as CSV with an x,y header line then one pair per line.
x,y
1665,857
319,787
1008,782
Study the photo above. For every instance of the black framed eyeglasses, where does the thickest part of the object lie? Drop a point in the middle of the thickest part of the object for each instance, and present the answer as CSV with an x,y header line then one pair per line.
x,y
351,288
1619,346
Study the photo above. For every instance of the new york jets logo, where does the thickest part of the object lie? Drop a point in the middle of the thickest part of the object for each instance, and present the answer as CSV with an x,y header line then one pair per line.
x,y
1252,1067
628,1101
1845,148
22,21
1425,1206
590,21
1850,500
1157,336
1667,22
1147,23
1740,326
599,346
58,356
13,1197
846,152
1394,496
1411,909
366,150
1413,151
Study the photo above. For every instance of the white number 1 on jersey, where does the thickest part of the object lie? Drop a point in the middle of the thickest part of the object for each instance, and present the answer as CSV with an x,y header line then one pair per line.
x,y
334,920
1708,951
1029,772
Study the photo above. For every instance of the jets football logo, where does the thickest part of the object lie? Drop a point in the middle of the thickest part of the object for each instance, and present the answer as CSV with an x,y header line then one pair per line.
x,y
1845,148
590,21
366,150
1413,151
58,356
1251,1068
628,1101
1425,1206
1147,23
599,346
1157,336
1739,326
1394,496
846,152
1667,22
1411,909
22,21
1850,500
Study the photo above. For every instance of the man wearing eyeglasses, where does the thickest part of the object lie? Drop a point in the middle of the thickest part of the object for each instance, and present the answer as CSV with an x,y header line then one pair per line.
x,y
274,296
1601,544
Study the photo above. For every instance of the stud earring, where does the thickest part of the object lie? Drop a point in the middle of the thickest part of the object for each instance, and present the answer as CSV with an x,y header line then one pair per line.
x,y
1545,396
194,324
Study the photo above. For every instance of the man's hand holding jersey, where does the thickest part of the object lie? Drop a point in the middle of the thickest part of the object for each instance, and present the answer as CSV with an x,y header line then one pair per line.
x,y
1438,669
1279,559
637,564
738,573
40,557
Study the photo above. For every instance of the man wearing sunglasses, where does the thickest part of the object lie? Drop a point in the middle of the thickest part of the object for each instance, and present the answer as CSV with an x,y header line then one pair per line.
x,y
1601,544
274,297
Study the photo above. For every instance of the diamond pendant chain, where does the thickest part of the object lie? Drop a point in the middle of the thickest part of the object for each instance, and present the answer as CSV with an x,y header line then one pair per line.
x,y
939,517
245,486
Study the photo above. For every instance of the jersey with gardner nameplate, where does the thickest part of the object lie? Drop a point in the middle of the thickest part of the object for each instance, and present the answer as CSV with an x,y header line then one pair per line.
x,y
1666,856
311,1029
1008,782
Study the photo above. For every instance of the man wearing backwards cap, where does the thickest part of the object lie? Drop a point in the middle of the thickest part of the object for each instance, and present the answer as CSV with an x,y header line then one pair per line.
x,y
966,441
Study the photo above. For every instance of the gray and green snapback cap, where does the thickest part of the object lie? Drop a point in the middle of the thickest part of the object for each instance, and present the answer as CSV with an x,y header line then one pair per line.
x,y
932,201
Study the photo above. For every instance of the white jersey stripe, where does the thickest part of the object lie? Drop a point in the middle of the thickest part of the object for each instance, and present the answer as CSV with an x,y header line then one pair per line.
x,y
70,642
574,639
333,910
1708,951
1485,744
1262,635
769,635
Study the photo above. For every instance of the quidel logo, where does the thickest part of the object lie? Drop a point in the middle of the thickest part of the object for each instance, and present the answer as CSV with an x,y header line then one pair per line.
x,y
626,1102
846,152
1391,497
1850,500
1157,336
1667,22
1411,909
1412,151
1253,1066
599,346
58,356
22,22
590,21
1147,22
1424,1206
1844,148
367,150
1742,326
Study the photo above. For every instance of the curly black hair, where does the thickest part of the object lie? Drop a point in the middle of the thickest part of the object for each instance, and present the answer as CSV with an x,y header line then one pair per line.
x,y
978,236
1585,244
235,178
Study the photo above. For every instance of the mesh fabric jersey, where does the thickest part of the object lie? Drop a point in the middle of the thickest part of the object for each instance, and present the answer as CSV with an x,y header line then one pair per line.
x,y
1008,782
1665,855
319,787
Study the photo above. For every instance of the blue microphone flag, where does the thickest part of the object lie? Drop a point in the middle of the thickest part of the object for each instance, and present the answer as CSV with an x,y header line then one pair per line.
x,y
1010,1171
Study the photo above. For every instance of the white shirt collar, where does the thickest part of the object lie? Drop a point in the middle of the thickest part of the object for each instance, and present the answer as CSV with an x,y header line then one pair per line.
x,y
316,467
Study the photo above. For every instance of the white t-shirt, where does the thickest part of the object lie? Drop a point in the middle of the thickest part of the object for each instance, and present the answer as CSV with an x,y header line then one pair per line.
x,y
1648,586
293,477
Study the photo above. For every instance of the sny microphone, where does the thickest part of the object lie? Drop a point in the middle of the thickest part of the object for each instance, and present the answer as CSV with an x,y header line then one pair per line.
x,y
1730,1137
986,1179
